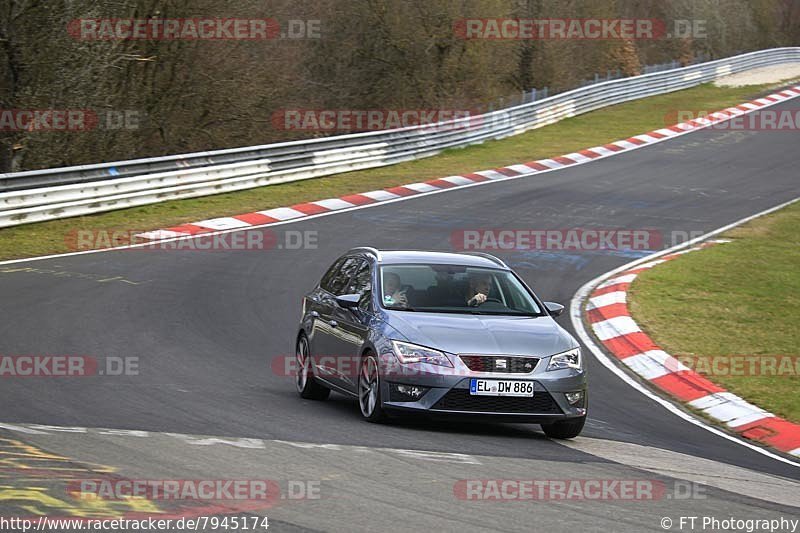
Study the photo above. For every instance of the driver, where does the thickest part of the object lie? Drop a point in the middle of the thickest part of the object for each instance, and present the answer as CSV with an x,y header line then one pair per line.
x,y
479,286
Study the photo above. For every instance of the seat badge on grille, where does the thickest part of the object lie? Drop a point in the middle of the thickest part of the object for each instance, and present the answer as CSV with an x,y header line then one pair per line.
x,y
501,364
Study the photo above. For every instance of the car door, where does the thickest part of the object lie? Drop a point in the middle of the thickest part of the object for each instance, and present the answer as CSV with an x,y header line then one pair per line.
x,y
319,305
331,343
353,324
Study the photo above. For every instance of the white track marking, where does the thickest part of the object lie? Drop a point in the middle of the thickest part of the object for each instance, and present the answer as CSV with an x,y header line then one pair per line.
x,y
245,443
458,180
494,175
666,131
609,298
580,158
551,163
333,204
627,278
522,169
730,409
653,364
281,213
645,137
603,151
420,187
735,479
615,327
380,196
222,223
627,145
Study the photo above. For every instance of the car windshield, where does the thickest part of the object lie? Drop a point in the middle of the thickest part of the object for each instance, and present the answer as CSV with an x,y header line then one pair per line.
x,y
455,289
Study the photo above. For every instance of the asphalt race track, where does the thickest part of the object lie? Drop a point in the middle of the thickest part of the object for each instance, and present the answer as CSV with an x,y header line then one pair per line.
x,y
206,325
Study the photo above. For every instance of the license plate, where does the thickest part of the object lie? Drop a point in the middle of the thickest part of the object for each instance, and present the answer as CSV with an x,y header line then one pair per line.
x,y
500,387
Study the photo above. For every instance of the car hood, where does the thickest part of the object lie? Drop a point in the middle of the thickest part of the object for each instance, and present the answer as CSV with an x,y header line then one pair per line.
x,y
483,334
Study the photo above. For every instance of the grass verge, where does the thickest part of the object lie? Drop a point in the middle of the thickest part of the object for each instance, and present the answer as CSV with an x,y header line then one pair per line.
x,y
599,127
736,299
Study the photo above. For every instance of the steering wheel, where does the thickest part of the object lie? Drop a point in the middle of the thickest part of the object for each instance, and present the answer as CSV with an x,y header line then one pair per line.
x,y
488,300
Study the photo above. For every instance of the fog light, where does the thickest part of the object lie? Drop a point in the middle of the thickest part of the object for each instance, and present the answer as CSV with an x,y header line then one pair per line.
x,y
574,397
406,393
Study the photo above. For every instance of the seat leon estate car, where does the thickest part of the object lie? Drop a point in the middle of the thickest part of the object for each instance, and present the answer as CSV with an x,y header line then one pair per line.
x,y
439,334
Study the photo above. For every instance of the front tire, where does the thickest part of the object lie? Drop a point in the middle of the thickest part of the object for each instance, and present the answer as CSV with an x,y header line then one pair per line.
x,y
307,385
369,390
566,429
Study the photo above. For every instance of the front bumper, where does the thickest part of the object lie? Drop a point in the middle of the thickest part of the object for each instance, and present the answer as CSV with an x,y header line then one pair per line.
x,y
448,394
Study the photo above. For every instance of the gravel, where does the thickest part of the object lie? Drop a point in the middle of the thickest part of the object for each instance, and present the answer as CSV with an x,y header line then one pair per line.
x,y
759,76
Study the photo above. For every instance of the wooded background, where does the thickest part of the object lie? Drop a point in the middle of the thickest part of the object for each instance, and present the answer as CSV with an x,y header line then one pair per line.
x,y
371,54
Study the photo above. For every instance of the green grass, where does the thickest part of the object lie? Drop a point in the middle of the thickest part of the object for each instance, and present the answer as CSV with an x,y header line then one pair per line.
x,y
738,298
598,127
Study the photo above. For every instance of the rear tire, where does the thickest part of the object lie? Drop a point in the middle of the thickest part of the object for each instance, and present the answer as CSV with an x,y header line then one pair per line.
x,y
307,384
566,429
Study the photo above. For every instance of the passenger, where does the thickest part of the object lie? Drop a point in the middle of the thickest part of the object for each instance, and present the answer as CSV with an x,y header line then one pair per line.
x,y
393,292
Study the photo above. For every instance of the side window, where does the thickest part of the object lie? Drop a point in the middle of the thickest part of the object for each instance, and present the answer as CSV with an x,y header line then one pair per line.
x,y
339,282
361,284
326,280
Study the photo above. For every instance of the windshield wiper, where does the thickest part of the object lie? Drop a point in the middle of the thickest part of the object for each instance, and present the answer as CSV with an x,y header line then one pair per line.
x,y
397,308
502,313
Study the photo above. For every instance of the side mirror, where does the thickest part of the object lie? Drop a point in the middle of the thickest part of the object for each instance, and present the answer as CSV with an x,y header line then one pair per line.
x,y
554,308
348,301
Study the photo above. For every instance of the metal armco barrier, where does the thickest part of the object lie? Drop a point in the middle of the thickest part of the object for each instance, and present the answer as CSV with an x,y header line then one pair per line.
x,y
35,196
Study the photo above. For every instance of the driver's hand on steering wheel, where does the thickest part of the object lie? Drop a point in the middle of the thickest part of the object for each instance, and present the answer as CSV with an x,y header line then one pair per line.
x,y
478,299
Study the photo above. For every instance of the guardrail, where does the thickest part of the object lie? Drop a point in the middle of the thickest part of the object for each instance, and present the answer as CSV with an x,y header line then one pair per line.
x,y
35,196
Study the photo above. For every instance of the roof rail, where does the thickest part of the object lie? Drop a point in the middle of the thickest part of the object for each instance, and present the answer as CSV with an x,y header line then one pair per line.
x,y
369,250
490,257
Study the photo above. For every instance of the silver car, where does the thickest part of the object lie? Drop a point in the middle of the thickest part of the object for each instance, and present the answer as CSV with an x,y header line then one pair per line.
x,y
439,334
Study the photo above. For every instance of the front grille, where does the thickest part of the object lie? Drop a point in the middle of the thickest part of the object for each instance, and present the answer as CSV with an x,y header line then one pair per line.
x,y
489,363
462,400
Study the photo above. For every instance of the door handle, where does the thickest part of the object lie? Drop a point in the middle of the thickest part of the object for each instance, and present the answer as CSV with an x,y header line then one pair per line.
x,y
333,323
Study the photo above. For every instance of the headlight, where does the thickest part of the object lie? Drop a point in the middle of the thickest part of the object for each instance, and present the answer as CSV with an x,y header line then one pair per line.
x,y
570,359
411,353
